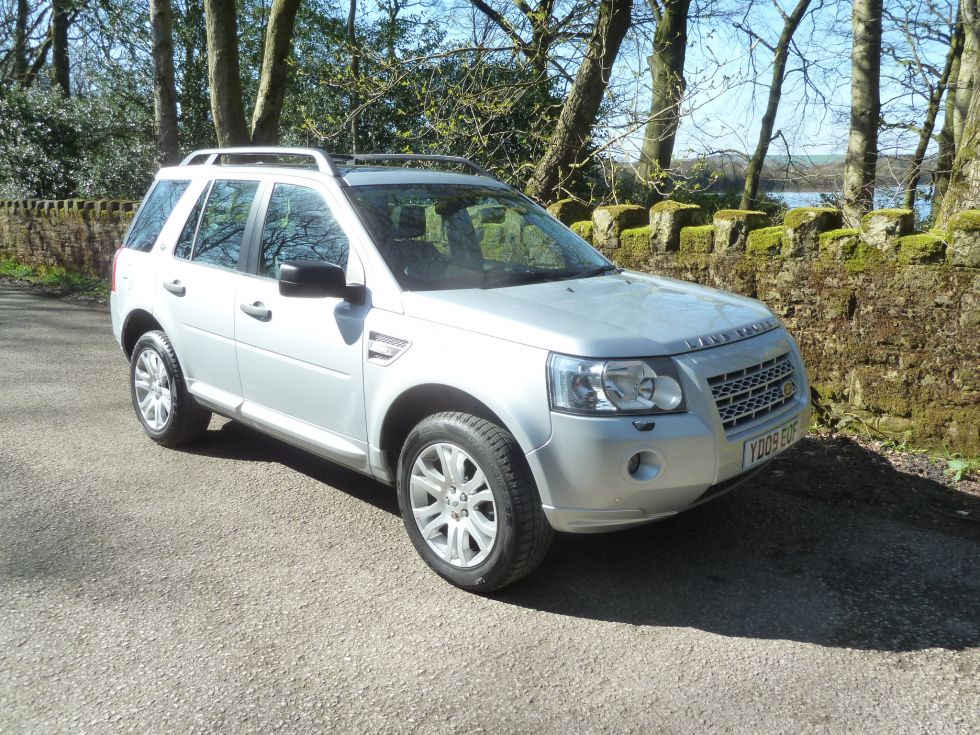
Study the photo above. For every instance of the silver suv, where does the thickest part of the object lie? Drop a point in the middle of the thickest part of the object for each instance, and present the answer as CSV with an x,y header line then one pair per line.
x,y
445,335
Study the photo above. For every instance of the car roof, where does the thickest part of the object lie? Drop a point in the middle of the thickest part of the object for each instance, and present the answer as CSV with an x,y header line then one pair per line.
x,y
350,175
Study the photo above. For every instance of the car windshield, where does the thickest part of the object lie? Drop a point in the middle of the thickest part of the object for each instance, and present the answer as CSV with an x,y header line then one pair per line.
x,y
448,236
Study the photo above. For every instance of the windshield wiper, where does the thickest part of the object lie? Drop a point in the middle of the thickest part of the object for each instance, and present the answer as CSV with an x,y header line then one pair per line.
x,y
600,271
516,278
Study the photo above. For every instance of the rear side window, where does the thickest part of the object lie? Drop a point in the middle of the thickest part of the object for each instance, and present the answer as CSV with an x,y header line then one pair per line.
x,y
153,214
185,243
300,226
219,236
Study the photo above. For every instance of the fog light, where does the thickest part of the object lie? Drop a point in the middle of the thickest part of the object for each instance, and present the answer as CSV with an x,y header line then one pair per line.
x,y
643,465
634,464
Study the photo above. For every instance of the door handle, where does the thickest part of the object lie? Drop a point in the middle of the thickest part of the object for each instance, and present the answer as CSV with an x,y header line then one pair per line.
x,y
175,288
258,311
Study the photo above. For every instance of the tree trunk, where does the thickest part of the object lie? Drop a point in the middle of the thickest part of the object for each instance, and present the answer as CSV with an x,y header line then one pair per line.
x,y
947,147
355,72
754,172
862,145
224,76
970,24
164,87
964,183
60,65
578,114
667,72
929,124
19,70
272,81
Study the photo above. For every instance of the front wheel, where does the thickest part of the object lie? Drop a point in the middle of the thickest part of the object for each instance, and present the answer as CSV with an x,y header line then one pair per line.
x,y
469,503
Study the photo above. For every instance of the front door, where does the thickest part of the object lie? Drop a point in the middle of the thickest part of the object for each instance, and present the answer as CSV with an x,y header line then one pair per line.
x,y
300,359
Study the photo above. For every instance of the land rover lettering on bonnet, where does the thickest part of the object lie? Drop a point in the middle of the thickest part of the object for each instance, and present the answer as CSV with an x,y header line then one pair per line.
x,y
438,331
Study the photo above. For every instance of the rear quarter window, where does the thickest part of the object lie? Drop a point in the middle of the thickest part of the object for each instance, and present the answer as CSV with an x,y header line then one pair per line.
x,y
153,214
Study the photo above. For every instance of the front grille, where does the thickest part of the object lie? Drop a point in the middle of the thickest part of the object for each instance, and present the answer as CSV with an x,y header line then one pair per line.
x,y
747,395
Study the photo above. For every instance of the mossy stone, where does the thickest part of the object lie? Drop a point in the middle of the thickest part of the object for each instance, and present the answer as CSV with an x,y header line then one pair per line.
x,y
839,244
584,230
569,211
609,223
803,227
921,248
667,219
882,227
699,239
732,227
964,239
765,243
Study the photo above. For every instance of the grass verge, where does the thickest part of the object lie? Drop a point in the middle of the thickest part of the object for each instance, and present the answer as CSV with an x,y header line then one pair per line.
x,y
56,279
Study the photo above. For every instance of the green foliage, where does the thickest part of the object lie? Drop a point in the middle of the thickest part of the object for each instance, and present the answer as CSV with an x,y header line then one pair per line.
x,y
55,277
56,148
960,468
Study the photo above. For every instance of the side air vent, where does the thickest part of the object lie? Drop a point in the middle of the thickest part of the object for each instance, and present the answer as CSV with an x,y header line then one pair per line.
x,y
384,349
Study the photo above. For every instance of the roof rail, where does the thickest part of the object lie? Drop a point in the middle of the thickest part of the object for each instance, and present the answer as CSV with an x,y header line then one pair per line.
x,y
359,157
325,162
320,157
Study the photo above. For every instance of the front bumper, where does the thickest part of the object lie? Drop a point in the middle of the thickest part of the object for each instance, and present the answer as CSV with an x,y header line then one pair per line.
x,y
582,474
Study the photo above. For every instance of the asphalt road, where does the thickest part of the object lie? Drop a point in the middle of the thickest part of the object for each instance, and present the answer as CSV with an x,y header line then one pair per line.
x,y
246,587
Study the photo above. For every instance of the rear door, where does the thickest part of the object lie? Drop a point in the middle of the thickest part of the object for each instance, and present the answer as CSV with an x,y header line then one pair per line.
x,y
301,359
196,289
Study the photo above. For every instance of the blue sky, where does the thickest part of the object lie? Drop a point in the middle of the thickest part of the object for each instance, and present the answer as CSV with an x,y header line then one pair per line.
x,y
727,95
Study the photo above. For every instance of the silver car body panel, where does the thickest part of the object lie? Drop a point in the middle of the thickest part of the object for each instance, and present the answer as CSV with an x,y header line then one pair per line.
x,y
306,377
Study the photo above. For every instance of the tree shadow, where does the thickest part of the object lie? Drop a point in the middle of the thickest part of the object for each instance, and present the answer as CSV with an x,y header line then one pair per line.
x,y
836,551
830,546
236,441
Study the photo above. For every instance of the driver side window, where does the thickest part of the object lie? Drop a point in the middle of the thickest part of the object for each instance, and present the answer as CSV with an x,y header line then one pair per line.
x,y
300,226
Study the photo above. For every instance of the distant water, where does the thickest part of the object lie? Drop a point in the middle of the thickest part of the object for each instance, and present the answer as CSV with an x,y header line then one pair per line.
x,y
884,197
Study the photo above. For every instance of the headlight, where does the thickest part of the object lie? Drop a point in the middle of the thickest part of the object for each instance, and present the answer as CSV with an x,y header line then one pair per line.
x,y
614,386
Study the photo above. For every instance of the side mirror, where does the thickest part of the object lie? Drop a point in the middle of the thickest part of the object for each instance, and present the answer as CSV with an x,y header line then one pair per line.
x,y
313,279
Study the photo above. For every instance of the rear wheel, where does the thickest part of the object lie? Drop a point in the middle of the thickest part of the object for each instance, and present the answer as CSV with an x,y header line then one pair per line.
x,y
168,413
469,502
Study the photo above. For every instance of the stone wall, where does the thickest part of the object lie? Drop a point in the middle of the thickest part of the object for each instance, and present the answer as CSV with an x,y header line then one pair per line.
x,y
888,320
72,233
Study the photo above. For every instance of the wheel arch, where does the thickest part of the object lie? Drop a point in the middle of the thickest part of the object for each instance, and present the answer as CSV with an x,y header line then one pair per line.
x,y
138,322
418,402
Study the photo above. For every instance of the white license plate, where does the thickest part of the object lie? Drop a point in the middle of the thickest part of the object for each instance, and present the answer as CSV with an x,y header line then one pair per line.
x,y
772,442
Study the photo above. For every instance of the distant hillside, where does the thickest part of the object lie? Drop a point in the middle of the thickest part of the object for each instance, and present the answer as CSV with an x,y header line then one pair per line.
x,y
800,173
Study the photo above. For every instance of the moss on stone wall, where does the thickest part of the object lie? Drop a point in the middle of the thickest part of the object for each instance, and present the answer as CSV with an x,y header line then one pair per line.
x,y
698,239
634,247
583,230
568,211
921,248
803,215
765,243
893,343
73,234
735,214
669,205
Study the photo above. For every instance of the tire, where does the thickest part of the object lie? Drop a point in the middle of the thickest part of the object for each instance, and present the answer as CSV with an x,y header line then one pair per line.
x,y
171,416
489,487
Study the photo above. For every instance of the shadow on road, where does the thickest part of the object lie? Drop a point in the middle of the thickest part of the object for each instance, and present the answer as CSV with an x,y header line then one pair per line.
x,y
831,546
